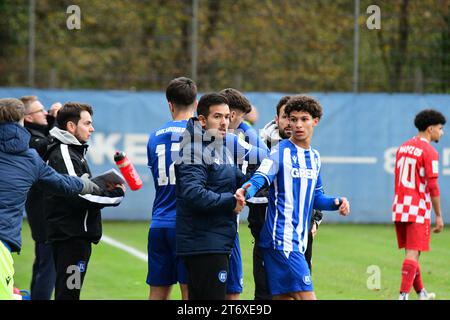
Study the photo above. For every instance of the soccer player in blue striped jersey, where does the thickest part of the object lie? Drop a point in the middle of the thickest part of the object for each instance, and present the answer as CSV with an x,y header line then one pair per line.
x,y
293,173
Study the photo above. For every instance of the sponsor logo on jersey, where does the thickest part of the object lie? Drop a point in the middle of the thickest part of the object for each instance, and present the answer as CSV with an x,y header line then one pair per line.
x,y
303,173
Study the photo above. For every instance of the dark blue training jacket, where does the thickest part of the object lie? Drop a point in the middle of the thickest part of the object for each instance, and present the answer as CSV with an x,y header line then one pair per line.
x,y
205,221
20,168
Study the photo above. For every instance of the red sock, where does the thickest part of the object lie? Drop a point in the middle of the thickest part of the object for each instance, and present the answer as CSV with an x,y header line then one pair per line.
x,y
409,269
418,285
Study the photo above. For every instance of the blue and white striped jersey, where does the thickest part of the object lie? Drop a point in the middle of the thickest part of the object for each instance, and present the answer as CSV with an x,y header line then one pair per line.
x,y
293,174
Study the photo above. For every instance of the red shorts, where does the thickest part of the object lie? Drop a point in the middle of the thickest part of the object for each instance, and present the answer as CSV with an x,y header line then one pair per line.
x,y
413,236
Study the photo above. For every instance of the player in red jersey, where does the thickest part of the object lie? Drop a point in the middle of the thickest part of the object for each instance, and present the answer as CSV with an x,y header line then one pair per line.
x,y
416,192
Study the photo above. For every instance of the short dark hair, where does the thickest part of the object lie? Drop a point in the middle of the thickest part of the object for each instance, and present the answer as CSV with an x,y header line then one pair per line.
x,y
428,117
208,100
304,103
236,100
182,92
71,111
11,110
27,101
281,103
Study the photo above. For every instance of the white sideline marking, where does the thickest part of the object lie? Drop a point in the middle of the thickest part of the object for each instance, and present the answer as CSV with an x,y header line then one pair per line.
x,y
349,160
134,252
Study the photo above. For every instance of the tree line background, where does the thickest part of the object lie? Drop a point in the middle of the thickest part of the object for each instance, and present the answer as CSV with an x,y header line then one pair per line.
x,y
252,45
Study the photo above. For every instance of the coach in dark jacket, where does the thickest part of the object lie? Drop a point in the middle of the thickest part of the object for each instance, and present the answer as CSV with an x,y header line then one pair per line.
x,y
74,223
207,178
38,123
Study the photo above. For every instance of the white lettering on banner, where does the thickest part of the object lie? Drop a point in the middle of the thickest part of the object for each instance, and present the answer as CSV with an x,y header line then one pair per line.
x,y
446,161
103,146
135,146
389,160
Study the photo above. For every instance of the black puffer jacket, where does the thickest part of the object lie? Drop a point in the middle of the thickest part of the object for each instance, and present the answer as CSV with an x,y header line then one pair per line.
x,y
79,216
35,199
205,221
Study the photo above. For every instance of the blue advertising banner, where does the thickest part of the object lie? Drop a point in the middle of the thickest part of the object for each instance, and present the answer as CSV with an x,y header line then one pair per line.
x,y
357,138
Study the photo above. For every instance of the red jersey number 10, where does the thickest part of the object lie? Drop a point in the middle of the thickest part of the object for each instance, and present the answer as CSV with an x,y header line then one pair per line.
x,y
407,173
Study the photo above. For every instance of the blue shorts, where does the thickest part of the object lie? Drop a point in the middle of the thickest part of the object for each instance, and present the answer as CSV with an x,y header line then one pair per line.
x,y
286,274
235,279
164,268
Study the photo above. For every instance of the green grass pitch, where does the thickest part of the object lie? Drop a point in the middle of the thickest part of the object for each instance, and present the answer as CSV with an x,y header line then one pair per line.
x,y
342,254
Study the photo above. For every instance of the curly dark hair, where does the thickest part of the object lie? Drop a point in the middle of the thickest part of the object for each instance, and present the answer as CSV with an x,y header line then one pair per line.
x,y
428,117
304,103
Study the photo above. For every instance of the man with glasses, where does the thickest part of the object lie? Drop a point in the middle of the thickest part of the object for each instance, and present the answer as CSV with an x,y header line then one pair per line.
x,y
38,122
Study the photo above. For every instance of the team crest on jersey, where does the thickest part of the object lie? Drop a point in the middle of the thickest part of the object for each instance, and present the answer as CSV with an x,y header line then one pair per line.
x,y
307,280
222,276
81,266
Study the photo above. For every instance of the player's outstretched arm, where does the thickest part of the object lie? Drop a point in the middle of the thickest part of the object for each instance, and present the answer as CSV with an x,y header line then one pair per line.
x,y
251,187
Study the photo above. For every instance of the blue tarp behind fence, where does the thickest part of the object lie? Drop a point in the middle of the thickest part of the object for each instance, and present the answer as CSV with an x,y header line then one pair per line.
x,y
356,138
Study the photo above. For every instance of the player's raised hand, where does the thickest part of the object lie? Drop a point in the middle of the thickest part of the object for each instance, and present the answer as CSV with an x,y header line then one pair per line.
x,y
439,225
344,208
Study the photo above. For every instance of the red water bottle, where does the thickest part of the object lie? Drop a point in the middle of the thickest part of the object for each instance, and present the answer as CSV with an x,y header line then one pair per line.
x,y
128,171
